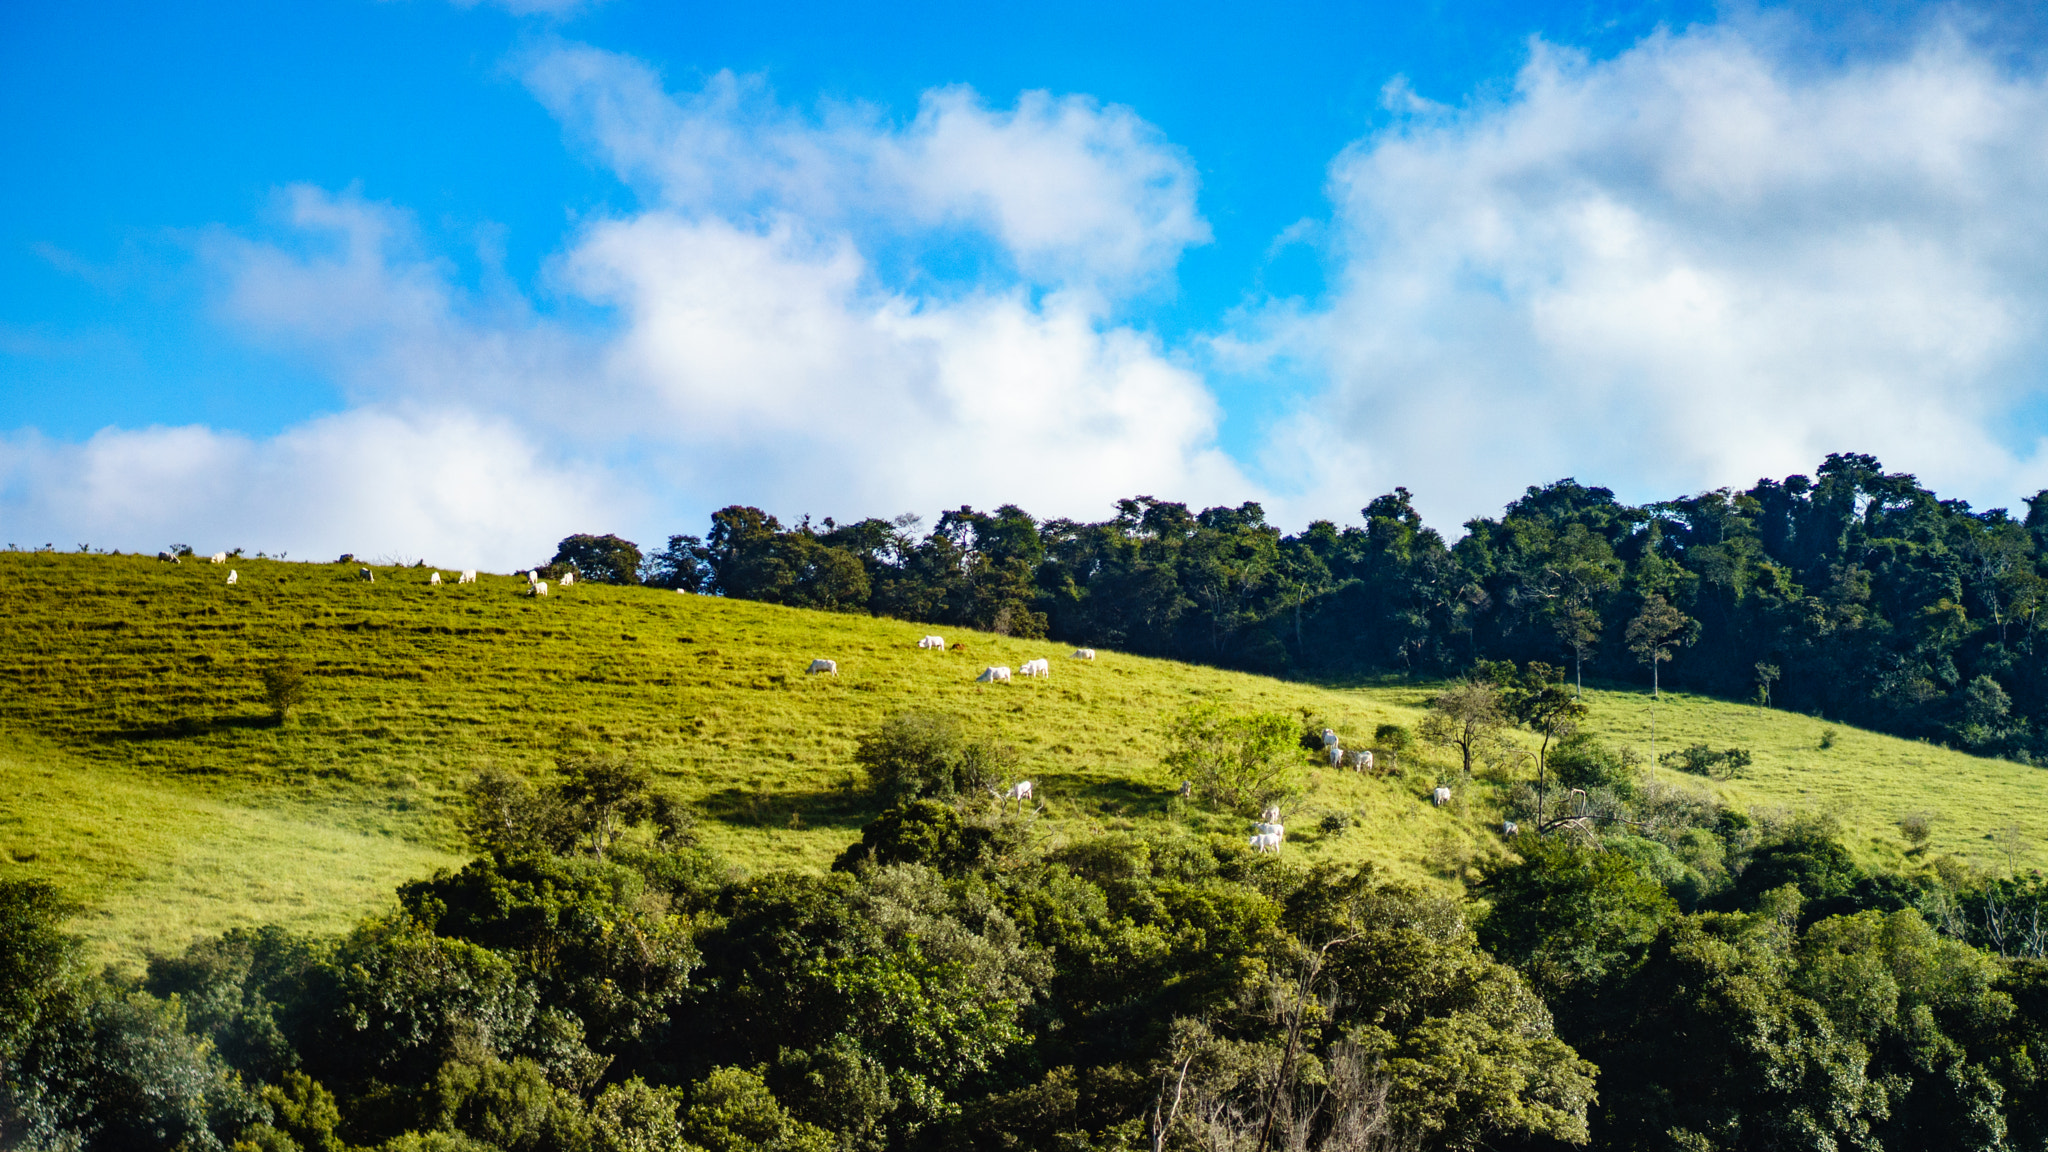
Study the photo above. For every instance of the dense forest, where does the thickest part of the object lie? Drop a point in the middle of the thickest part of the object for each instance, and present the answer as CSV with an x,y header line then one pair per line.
x,y
1665,973
1856,594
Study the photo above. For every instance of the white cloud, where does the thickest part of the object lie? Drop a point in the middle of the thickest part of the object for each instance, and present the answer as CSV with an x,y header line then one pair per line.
x,y
772,338
1073,192
1694,264
440,486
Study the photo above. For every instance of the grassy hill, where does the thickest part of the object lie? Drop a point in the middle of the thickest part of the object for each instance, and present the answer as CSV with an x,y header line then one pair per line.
x,y
139,769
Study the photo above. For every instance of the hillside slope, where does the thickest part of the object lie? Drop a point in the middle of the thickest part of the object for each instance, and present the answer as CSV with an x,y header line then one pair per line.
x,y
138,766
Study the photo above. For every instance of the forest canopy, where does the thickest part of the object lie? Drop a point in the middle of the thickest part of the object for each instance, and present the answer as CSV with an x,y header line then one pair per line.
x,y
1856,594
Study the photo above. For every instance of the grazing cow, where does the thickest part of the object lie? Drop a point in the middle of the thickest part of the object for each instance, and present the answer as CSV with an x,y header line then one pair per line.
x,y
1336,756
368,576
169,557
232,576
468,577
938,642
1508,828
1084,654
1020,792
999,674
1441,796
1187,789
1278,832
218,558
568,578
1329,738
831,666
1040,667
1264,843
434,578
540,588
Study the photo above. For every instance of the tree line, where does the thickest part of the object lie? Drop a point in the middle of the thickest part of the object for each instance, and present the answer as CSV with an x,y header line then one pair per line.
x,y
1855,594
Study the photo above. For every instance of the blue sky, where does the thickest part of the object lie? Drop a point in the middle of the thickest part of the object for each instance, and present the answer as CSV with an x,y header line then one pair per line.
x,y
415,278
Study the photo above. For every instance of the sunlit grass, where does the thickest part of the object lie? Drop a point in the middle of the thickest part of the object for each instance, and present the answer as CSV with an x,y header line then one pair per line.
x,y
145,775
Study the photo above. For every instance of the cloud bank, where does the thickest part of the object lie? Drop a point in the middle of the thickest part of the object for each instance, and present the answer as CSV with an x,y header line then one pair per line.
x,y
1693,265
833,314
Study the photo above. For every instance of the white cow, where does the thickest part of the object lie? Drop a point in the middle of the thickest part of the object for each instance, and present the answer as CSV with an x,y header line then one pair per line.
x,y
1187,789
1271,815
1329,738
1276,831
1441,796
1508,828
1362,760
1040,667
938,642
168,558
1084,654
367,575
219,557
232,576
433,578
831,666
999,674
1336,756
468,577
1263,843
568,578
532,578
1020,792
540,588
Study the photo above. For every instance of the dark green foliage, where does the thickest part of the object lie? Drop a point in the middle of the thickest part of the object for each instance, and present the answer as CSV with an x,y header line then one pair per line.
x,y
1854,593
1581,761
239,991
284,688
951,988
920,832
36,956
607,792
600,559
1700,760
916,755
1570,917
114,1071
583,932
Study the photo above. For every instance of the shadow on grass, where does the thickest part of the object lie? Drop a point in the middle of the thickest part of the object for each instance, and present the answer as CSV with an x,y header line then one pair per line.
x,y
816,808
185,727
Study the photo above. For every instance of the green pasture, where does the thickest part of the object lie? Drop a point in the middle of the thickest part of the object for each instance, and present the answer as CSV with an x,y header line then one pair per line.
x,y
140,770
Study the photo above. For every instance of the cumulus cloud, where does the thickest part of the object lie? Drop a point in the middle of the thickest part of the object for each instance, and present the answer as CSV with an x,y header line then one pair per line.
x,y
779,325
1696,263
1071,191
441,486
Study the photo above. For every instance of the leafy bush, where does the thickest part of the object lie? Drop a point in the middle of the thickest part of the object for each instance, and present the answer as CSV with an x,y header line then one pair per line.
x,y
284,688
1236,762
1701,760
921,755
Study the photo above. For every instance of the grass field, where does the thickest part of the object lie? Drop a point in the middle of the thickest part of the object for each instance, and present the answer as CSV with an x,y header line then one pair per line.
x,y
139,767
